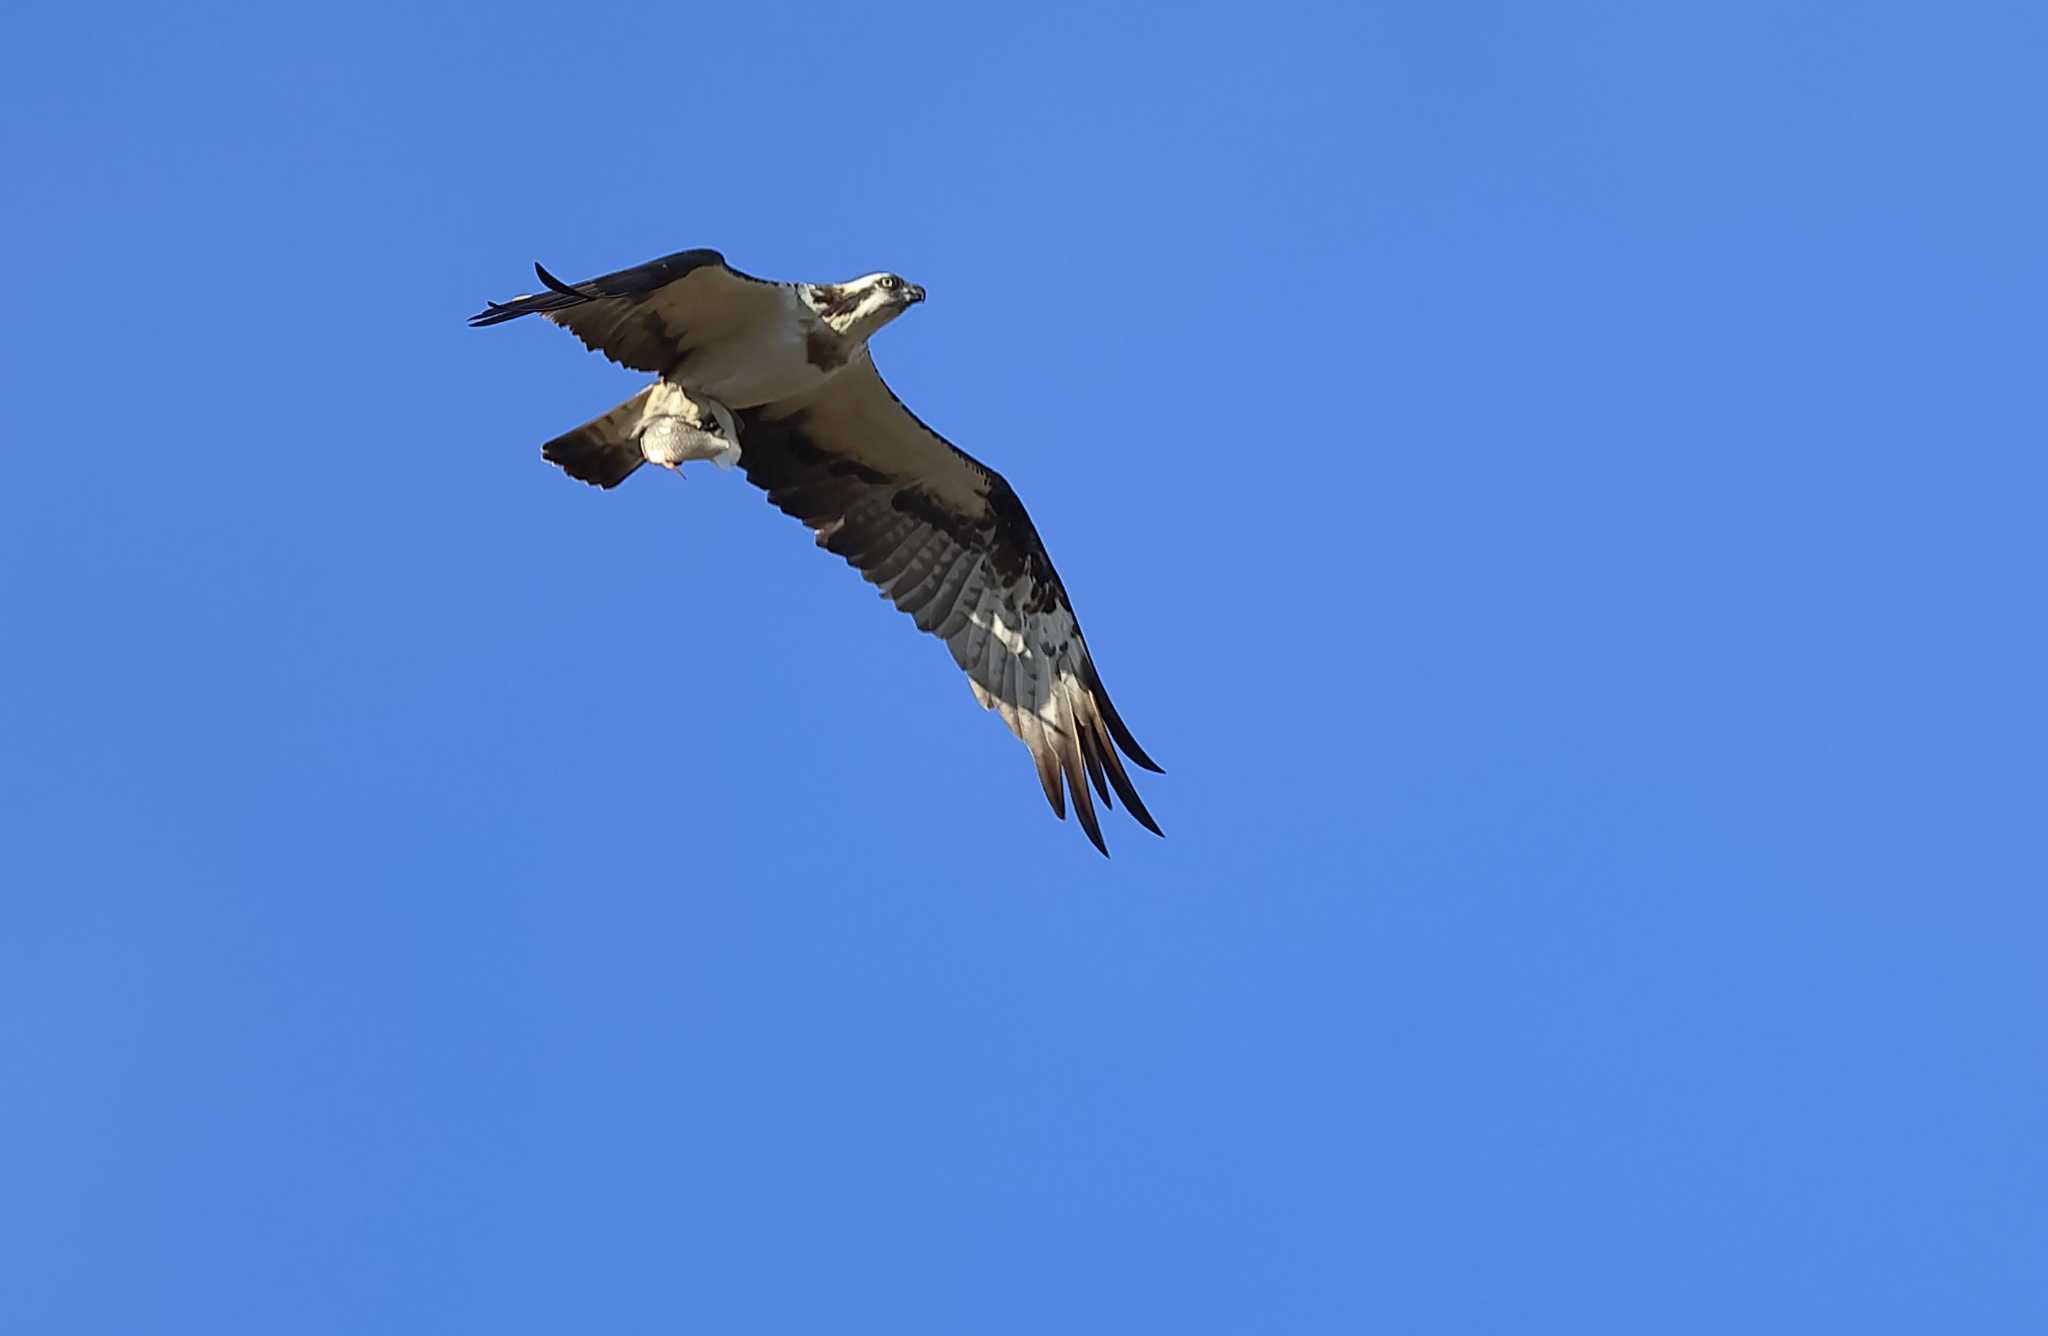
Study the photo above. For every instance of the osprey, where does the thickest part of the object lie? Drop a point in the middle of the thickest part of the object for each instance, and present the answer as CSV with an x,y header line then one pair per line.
x,y
776,377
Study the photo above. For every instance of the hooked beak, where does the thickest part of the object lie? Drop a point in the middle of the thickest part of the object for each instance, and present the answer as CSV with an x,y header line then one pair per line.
x,y
913,294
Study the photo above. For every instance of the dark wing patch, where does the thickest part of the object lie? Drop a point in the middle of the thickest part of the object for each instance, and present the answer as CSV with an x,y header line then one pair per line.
x,y
824,349
948,542
650,316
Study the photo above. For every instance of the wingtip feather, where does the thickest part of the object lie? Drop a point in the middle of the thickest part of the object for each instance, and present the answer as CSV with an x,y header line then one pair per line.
x,y
556,284
1084,804
1121,779
1122,733
1048,773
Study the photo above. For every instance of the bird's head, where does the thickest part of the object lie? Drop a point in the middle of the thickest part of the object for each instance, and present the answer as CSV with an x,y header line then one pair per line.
x,y
856,309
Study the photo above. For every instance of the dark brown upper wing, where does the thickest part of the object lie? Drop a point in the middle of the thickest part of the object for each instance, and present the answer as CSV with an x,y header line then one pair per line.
x,y
949,543
650,316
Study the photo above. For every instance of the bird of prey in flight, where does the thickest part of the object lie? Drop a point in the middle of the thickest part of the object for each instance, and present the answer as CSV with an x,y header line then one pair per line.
x,y
776,378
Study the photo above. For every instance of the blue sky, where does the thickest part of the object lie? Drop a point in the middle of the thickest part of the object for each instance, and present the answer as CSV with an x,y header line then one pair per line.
x,y
1559,488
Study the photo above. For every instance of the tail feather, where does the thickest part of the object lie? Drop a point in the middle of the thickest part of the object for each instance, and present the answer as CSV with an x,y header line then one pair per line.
x,y
603,451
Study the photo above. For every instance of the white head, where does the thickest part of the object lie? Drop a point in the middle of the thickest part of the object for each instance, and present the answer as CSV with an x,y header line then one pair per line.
x,y
856,309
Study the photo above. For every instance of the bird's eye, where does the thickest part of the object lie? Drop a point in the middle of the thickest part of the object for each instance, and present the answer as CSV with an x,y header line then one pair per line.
x,y
889,283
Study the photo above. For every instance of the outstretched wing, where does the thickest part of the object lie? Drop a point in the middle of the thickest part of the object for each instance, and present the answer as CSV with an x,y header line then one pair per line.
x,y
651,316
949,543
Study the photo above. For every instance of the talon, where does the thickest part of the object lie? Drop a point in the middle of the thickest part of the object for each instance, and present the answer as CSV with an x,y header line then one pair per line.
x,y
723,417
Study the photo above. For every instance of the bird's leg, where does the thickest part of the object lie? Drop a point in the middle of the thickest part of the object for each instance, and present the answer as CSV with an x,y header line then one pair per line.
x,y
727,432
723,417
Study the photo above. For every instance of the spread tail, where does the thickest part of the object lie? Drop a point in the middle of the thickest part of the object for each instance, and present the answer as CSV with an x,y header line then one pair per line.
x,y
604,450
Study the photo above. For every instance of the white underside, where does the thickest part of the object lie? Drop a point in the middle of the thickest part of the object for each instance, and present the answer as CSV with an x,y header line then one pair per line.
x,y
756,364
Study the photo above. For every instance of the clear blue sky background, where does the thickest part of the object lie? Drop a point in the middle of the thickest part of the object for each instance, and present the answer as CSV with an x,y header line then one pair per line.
x,y
1560,488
